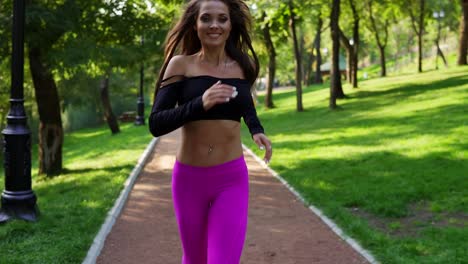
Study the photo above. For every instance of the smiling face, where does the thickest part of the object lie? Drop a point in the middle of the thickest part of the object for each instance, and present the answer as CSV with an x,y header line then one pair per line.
x,y
213,23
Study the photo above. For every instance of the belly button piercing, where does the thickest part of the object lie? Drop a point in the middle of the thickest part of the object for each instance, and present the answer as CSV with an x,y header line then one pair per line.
x,y
210,149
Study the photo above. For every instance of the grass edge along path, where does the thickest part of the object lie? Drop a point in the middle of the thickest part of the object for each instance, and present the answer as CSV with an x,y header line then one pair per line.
x,y
389,167
75,204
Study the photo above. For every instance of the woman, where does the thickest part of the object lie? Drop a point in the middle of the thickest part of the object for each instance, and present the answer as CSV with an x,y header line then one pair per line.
x,y
210,82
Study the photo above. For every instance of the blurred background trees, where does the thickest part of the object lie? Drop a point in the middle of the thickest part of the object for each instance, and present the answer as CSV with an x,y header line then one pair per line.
x,y
83,57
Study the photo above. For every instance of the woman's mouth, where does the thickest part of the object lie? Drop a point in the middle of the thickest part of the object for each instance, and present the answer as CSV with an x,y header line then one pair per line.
x,y
214,35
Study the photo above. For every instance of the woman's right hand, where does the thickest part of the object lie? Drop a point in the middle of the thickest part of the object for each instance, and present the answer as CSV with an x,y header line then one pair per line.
x,y
218,93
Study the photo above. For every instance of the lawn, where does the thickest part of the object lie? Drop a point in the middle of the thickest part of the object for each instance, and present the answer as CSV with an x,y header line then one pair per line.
x,y
74,205
390,166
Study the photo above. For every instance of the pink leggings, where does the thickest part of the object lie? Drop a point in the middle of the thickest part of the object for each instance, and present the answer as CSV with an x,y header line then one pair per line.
x,y
211,205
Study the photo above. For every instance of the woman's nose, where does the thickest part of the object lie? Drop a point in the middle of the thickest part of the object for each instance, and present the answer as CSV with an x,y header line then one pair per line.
x,y
214,25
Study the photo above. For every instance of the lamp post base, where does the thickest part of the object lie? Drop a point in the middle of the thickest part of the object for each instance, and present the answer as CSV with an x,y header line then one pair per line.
x,y
140,118
139,121
19,205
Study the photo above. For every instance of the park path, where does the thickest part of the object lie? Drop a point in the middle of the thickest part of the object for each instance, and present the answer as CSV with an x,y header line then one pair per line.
x,y
281,230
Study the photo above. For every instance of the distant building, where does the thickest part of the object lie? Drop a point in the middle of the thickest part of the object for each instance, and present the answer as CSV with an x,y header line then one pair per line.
x,y
325,68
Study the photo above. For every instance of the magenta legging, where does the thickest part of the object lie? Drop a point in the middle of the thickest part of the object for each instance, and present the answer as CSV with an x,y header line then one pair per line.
x,y
211,205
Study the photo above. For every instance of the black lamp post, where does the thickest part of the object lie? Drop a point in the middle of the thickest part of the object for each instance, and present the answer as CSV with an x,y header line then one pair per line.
x,y
140,118
18,199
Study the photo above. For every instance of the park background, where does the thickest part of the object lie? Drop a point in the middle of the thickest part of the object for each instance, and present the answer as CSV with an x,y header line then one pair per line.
x,y
372,129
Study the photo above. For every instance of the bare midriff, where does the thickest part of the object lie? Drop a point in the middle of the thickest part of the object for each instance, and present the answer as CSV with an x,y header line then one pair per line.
x,y
210,142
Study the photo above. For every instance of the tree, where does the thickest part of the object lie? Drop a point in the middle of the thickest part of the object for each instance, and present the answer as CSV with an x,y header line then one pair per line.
x,y
463,45
271,63
317,44
352,45
437,39
297,54
417,22
271,24
379,25
335,76
108,113
45,26
311,38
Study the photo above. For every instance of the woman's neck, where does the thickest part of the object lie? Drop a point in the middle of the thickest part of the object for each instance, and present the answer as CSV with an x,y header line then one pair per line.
x,y
213,57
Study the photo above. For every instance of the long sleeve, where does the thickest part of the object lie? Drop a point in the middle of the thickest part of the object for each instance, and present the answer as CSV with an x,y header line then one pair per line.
x,y
165,117
250,116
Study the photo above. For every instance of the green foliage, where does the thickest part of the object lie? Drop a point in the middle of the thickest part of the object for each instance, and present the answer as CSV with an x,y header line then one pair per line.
x,y
83,40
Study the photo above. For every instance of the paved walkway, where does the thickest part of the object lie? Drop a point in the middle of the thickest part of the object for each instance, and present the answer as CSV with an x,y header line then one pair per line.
x,y
281,230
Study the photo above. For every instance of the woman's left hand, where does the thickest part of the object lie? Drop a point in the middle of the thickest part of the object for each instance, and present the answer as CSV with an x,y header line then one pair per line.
x,y
264,143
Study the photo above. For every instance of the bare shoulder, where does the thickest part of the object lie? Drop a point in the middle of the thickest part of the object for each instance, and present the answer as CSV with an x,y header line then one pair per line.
x,y
176,67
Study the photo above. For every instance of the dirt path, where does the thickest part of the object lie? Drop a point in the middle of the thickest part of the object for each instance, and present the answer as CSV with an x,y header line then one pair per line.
x,y
281,230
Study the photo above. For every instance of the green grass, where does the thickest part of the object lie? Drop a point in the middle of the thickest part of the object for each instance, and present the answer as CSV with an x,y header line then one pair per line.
x,y
405,66
74,205
390,167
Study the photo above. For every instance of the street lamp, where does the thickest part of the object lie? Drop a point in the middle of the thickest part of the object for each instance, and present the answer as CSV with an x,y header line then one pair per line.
x,y
325,51
140,118
438,15
18,200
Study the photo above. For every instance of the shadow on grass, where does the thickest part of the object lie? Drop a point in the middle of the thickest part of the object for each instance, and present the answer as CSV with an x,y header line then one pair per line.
x,y
288,94
411,89
66,171
433,121
382,183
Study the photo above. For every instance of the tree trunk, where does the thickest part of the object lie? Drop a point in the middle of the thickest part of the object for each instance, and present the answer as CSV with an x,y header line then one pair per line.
x,y
108,114
418,27
439,51
335,77
318,72
271,65
307,62
354,66
383,67
298,60
50,126
420,34
303,58
463,45
355,51
441,54
349,50
381,43
349,62
311,62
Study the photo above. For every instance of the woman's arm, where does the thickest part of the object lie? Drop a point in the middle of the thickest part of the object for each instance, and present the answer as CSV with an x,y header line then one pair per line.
x,y
164,118
250,114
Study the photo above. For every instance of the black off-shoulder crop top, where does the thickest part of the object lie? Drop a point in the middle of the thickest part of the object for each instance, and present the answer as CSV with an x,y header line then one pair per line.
x,y
187,94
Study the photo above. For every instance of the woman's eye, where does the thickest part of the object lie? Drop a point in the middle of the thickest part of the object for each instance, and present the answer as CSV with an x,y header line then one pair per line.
x,y
223,19
205,19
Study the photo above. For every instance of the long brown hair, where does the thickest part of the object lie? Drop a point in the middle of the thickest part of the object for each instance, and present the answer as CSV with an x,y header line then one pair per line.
x,y
237,46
